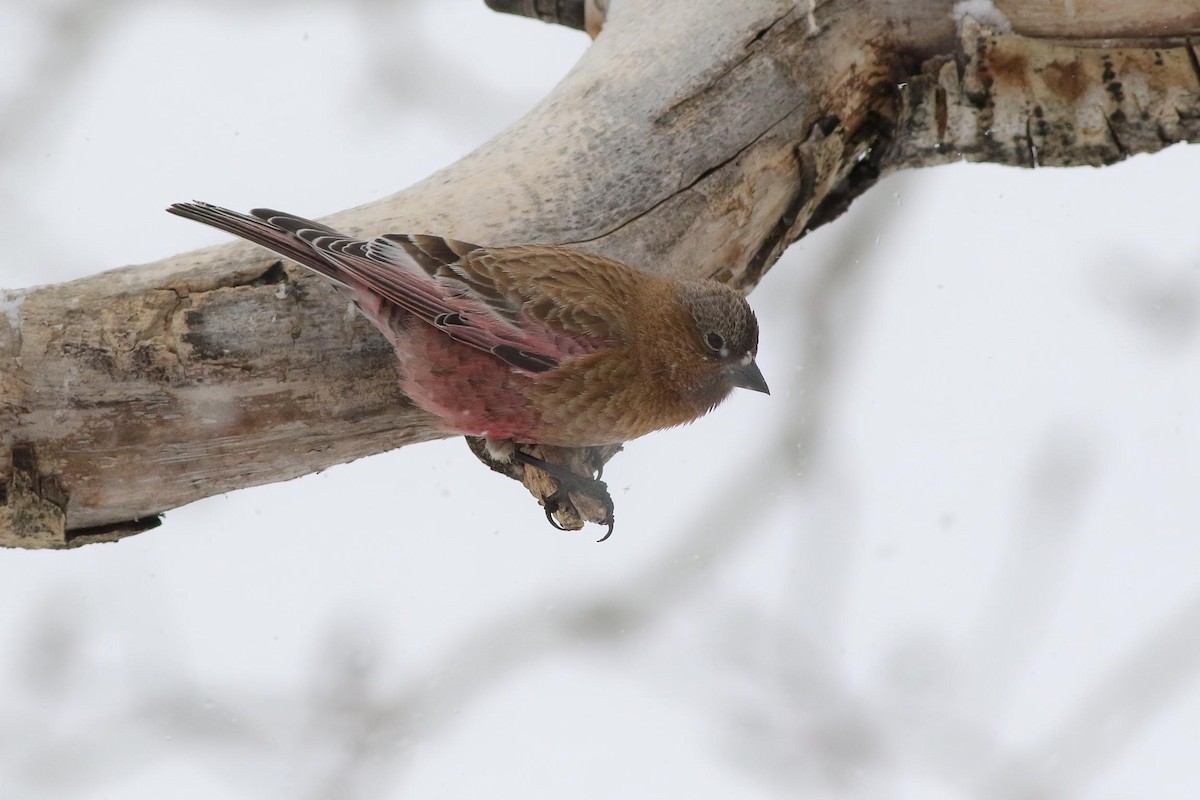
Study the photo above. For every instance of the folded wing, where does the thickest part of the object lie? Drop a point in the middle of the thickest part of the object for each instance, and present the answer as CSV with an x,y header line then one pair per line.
x,y
460,288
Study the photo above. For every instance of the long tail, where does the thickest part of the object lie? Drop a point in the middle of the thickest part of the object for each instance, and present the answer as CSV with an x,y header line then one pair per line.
x,y
273,230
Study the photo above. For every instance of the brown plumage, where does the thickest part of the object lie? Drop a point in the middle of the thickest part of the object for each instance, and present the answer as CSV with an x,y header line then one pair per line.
x,y
530,344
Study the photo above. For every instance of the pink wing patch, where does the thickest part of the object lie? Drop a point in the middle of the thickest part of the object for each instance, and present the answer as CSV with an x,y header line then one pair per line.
x,y
492,323
423,275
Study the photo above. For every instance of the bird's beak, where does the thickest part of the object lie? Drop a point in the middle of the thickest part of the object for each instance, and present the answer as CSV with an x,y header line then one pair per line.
x,y
748,376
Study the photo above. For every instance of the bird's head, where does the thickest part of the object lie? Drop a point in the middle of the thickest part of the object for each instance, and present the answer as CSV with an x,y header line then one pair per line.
x,y
726,333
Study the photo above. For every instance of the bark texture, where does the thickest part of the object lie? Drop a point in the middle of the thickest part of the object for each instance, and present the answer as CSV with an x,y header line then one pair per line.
x,y
696,137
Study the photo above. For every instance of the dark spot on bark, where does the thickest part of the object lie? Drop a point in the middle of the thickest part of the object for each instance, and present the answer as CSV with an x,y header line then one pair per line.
x,y
876,129
96,358
1008,67
204,347
1065,79
828,124
1116,91
124,528
978,99
275,274
23,458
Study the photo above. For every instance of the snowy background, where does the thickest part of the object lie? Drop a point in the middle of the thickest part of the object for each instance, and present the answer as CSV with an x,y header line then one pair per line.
x,y
956,554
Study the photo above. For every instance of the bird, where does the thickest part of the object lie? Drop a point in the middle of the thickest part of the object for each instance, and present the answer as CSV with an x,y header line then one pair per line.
x,y
530,344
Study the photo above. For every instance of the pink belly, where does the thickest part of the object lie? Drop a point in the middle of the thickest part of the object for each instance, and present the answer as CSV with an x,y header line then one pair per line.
x,y
469,391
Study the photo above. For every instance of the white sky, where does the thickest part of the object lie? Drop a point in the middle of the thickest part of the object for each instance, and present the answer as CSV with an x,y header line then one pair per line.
x,y
962,557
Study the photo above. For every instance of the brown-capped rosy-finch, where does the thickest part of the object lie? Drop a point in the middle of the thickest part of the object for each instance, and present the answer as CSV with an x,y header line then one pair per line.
x,y
528,344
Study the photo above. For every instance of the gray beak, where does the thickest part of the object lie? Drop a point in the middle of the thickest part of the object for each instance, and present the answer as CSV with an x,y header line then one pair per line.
x,y
748,376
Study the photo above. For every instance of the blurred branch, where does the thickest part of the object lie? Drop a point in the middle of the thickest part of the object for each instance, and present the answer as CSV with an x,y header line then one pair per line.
x,y
1149,677
79,29
220,369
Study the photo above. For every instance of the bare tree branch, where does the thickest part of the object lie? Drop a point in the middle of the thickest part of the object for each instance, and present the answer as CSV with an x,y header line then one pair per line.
x,y
563,12
695,138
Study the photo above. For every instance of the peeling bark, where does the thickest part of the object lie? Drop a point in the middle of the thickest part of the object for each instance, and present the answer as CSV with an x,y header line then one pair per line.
x,y
695,138
1023,102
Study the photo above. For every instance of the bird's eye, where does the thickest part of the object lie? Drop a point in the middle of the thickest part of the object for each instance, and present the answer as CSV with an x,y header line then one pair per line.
x,y
715,341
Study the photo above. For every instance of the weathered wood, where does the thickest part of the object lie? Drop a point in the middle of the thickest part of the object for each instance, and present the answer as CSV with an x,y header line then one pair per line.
x,y
584,15
1025,102
1102,19
562,12
696,137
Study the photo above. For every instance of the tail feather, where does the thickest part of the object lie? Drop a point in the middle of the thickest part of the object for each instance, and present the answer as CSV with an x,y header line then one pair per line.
x,y
421,275
271,229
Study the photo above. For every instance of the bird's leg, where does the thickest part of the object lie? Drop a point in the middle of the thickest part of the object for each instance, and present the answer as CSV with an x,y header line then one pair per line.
x,y
569,482
499,450
591,503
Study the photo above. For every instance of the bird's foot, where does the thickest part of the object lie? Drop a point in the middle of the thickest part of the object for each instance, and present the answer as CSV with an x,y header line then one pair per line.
x,y
576,499
560,477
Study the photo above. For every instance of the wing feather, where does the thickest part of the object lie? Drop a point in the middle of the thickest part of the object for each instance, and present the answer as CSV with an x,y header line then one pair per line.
x,y
527,305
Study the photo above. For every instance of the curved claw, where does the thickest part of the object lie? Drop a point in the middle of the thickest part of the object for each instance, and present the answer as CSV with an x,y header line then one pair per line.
x,y
568,482
554,523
